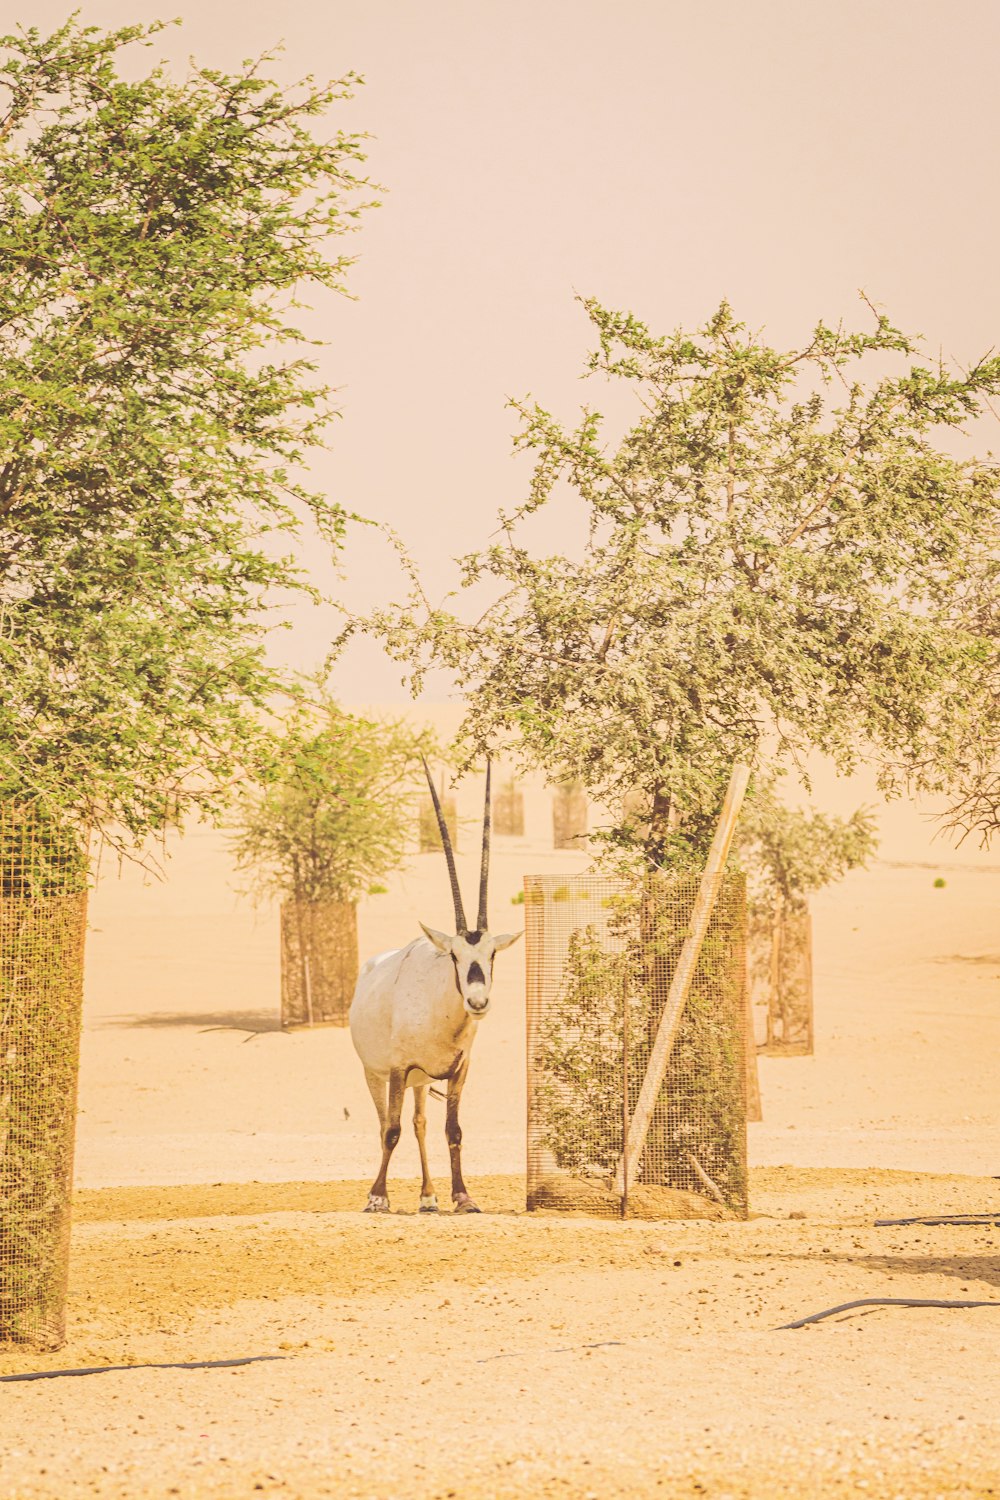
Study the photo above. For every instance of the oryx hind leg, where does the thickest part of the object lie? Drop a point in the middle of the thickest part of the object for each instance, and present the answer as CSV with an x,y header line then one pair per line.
x,y
378,1088
428,1200
378,1200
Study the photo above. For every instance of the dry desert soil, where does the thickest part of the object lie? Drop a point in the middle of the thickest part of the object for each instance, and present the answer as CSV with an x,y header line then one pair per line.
x,y
510,1355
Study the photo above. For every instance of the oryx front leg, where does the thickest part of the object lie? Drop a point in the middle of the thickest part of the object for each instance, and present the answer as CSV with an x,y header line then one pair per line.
x,y
428,1199
378,1197
460,1197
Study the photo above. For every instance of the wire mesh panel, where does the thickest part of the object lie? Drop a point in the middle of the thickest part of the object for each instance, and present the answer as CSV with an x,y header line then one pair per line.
x,y
755,1107
43,915
600,958
508,810
782,980
569,817
429,832
319,962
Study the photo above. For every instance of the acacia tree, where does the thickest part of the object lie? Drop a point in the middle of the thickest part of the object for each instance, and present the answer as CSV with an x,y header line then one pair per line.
x,y
779,551
156,402
790,853
334,821
340,811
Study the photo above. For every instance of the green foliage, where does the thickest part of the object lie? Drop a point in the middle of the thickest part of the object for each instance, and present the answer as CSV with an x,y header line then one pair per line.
x,y
790,853
155,409
340,812
40,855
781,548
580,1055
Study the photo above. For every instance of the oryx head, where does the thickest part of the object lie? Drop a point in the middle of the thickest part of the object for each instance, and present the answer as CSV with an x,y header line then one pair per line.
x,y
471,951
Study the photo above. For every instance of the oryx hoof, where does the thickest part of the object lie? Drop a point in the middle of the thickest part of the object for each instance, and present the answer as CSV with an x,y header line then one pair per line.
x,y
465,1205
376,1205
429,1204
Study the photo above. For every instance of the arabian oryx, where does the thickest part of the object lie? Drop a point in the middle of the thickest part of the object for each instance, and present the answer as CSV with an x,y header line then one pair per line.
x,y
414,1018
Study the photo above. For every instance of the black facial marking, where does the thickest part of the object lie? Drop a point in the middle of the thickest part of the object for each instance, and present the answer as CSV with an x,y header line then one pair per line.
x,y
458,982
476,975
473,937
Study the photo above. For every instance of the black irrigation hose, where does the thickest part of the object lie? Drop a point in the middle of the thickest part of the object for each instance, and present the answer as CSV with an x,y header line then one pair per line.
x,y
972,1219
828,1312
198,1364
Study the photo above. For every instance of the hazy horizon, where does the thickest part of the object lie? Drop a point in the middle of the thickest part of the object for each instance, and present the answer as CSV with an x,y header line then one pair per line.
x,y
656,156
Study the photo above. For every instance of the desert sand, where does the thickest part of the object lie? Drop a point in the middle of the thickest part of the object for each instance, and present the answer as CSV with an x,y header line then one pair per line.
x,y
222,1163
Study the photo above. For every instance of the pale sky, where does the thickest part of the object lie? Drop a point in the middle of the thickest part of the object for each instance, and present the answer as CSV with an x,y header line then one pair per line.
x,y
655,154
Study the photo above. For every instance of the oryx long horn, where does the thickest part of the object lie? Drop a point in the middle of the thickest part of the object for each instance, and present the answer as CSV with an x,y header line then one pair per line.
x,y
484,868
449,854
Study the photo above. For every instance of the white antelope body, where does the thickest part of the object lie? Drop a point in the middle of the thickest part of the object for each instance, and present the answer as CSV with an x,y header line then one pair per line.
x,y
414,1018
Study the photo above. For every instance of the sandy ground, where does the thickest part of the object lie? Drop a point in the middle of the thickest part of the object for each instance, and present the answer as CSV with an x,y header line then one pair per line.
x,y
516,1356
221,1164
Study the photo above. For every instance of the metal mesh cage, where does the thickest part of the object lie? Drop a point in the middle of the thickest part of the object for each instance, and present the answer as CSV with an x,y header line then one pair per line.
x,y
755,1107
508,810
43,915
569,816
429,832
600,958
780,947
319,962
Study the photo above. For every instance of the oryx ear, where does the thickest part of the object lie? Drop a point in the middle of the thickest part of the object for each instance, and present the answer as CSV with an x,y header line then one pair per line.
x,y
441,940
504,940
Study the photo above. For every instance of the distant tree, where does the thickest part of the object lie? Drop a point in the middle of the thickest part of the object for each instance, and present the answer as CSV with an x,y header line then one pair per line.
x,y
341,810
333,823
776,556
790,854
155,407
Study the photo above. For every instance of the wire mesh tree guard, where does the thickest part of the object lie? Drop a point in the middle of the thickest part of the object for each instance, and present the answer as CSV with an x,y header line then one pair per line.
x,y
600,958
429,833
781,978
569,816
508,810
319,962
43,915
755,1106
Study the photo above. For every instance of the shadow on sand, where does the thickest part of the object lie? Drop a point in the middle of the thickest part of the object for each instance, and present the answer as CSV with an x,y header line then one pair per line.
x,y
964,1268
253,1021
991,960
